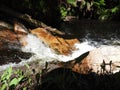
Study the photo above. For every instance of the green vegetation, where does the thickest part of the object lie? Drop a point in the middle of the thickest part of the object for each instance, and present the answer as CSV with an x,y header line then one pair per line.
x,y
11,79
17,79
53,12
60,78
92,9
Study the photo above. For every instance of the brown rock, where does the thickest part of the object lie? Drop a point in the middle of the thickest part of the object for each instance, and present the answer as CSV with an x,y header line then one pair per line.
x,y
8,40
100,60
20,28
11,41
10,45
62,46
21,32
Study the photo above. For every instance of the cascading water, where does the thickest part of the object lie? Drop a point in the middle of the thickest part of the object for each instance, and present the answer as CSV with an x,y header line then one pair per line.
x,y
90,40
42,51
108,52
102,35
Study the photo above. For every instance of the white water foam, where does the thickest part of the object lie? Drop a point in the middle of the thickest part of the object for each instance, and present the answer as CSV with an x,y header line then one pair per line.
x,y
42,51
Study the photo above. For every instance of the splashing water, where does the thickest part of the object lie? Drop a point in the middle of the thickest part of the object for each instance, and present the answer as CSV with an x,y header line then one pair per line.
x,y
42,51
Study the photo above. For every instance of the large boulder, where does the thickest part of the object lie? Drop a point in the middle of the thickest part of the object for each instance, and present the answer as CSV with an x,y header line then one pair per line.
x,y
60,45
105,59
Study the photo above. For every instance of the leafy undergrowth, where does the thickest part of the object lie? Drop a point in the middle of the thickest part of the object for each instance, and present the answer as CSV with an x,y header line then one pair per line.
x,y
15,80
57,79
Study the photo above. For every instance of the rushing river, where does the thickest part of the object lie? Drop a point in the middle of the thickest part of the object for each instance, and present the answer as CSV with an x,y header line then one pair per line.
x,y
92,34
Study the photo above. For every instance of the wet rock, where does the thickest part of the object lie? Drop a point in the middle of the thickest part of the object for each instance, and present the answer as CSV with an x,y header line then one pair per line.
x,y
20,28
105,59
10,45
5,25
8,40
60,45
12,56
12,42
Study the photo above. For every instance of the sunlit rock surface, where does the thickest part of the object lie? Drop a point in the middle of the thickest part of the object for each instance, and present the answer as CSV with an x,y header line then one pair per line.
x,y
105,59
61,45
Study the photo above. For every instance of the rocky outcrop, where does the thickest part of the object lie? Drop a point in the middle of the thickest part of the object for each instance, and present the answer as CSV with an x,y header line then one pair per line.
x,y
60,45
100,60
11,42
